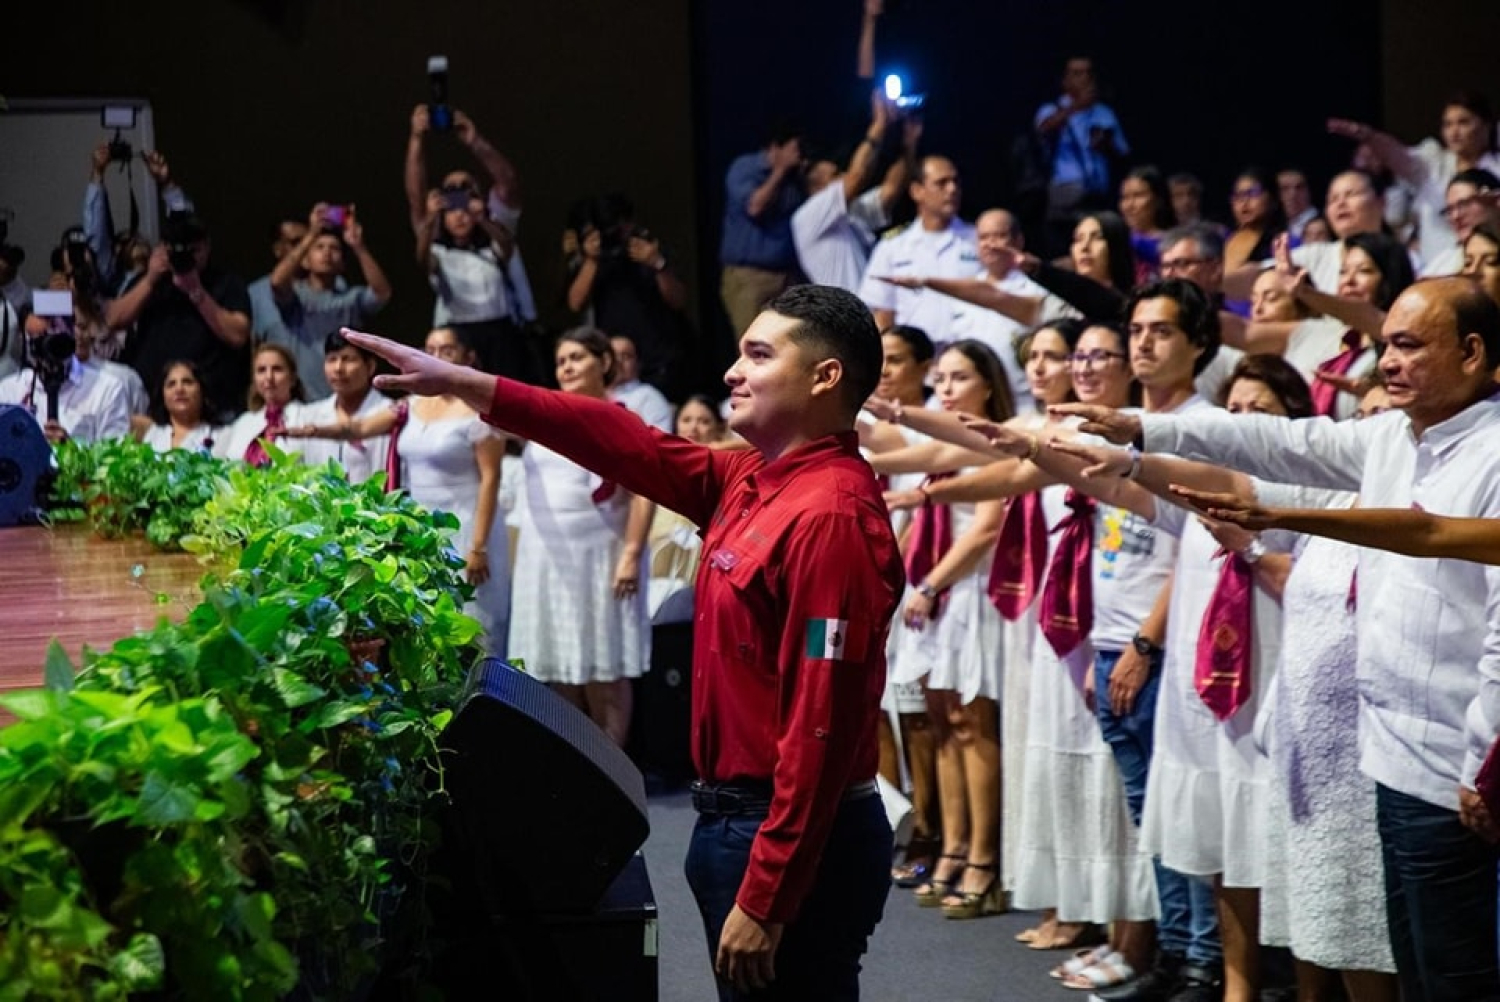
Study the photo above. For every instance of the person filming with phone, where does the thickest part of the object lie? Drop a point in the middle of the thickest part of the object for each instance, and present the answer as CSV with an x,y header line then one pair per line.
x,y
310,297
466,244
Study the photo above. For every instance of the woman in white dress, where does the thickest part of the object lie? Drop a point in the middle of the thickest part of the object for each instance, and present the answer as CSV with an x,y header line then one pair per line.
x,y
907,754
450,461
954,635
175,419
276,402
581,620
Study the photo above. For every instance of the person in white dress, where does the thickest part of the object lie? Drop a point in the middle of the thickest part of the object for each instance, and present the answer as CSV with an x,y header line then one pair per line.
x,y
952,634
449,461
276,403
348,371
907,754
580,620
175,419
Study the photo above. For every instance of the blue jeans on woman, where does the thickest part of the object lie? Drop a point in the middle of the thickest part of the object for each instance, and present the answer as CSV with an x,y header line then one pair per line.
x,y
1189,923
818,959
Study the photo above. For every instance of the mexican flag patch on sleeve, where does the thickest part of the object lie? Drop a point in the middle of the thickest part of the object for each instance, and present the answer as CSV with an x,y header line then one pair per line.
x,y
833,640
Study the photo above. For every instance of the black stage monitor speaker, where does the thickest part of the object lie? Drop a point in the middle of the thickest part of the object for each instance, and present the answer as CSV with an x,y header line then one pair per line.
x,y
25,458
548,808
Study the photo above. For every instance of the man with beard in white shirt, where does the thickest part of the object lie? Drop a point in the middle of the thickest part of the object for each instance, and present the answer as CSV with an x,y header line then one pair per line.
x,y
1429,630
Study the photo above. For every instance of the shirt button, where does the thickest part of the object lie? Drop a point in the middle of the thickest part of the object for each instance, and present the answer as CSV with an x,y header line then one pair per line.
x,y
744,513
820,733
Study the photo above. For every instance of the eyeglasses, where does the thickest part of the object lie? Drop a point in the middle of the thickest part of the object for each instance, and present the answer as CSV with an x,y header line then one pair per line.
x,y
1463,205
1181,264
1246,194
1098,358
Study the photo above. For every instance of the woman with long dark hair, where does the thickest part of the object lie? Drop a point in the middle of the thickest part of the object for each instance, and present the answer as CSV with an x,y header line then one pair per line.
x,y
177,417
1146,207
1258,218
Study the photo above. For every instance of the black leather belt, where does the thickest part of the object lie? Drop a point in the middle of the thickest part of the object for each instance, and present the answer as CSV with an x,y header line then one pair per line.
x,y
735,799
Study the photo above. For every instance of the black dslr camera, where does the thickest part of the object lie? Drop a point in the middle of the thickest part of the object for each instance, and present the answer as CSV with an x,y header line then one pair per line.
x,y
181,234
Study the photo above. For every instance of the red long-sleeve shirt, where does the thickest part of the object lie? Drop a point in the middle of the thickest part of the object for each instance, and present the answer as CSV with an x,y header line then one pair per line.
x,y
799,578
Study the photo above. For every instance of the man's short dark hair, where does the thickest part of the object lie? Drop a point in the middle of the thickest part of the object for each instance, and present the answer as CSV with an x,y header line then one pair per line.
x,y
337,342
1196,314
1473,313
1478,177
836,324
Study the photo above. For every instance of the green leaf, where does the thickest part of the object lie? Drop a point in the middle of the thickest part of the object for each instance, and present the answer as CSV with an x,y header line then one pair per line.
x,y
336,713
293,689
163,802
141,965
59,668
29,704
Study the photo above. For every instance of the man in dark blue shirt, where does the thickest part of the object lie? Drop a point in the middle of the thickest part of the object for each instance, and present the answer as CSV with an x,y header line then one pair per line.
x,y
762,190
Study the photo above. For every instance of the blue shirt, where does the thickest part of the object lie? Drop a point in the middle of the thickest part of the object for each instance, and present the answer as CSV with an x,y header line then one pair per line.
x,y
308,319
765,242
1076,162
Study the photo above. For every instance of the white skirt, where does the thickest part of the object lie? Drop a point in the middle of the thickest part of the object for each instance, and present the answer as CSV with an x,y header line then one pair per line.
x,y
565,622
1079,851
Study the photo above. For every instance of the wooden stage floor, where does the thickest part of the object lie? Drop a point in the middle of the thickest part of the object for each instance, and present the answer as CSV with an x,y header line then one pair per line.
x,y
69,584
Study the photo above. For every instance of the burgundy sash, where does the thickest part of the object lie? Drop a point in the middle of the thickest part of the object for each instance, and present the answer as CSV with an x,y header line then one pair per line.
x,y
930,538
1020,556
1067,612
255,453
1221,671
392,451
1324,394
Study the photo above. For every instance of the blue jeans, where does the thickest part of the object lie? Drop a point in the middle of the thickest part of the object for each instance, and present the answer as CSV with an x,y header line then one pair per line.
x,y
1189,923
818,958
1440,901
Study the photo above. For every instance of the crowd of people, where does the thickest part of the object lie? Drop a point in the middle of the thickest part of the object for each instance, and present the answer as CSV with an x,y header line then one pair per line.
x,y
1130,684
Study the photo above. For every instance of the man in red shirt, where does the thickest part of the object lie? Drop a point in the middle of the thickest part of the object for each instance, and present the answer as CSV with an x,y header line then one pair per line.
x,y
789,861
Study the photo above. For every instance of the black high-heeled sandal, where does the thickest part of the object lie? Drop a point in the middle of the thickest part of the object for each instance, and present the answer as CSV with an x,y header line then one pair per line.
x,y
932,893
975,904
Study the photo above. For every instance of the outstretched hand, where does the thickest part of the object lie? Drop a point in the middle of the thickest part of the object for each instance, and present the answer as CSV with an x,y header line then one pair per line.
x,y
1106,422
1355,386
1103,462
417,371
904,281
1229,508
1000,437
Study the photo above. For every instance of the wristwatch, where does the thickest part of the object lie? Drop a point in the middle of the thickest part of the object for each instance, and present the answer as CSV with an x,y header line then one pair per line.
x,y
1252,553
926,590
1145,646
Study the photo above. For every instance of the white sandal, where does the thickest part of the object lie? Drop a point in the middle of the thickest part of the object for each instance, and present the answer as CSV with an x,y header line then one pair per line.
x,y
1080,962
1109,971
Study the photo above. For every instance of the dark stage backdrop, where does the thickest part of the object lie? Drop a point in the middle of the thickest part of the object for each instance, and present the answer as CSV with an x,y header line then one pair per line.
x,y
266,107
1196,87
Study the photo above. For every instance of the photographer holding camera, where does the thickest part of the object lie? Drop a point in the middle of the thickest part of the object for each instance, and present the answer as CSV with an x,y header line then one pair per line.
x,y
114,263
618,274
91,404
311,296
466,242
184,308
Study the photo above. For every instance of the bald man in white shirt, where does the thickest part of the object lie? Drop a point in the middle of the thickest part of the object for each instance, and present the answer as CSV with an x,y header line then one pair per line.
x,y
1429,630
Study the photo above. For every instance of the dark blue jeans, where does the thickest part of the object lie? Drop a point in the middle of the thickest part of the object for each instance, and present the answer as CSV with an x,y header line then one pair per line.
x,y
1189,923
1439,899
818,959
